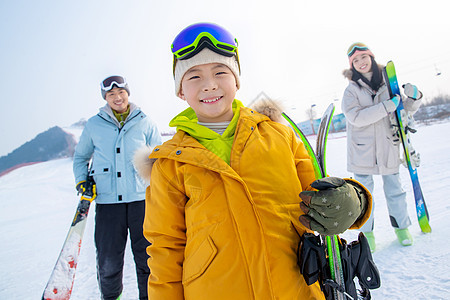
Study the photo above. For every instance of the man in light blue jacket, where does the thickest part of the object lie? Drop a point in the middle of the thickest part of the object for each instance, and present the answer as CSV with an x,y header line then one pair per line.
x,y
110,139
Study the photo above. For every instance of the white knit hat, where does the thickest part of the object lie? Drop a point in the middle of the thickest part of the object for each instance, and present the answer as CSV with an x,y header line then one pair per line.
x,y
206,56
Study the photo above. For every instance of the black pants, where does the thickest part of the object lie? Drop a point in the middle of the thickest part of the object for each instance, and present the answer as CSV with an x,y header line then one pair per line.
x,y
112,223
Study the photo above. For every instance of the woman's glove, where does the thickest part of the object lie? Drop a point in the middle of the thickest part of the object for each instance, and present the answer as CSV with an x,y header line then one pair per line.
x,y
412,92
395,100
334,207
391,104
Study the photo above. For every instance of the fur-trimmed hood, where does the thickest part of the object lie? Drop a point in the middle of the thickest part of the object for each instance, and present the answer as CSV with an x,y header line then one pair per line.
x,y
268,107
348,73
142,163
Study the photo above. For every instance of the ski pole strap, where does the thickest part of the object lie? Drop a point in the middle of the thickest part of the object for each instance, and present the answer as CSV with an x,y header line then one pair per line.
x,y
338,287
356,257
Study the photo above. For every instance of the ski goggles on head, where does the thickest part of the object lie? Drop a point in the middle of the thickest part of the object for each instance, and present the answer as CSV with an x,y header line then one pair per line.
x,y
355,48
109,82
194,38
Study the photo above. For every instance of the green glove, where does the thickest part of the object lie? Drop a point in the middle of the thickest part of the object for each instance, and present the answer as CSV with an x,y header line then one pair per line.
x,y
334,207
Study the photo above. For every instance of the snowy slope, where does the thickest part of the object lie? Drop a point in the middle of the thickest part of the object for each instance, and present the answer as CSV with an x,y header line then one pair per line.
x,y
37,203
421,271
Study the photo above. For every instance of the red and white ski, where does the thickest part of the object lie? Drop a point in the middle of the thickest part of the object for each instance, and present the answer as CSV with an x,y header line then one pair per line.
x,y
60,284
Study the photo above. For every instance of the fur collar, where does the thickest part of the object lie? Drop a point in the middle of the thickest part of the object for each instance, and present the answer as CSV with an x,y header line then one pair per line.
x,y
348,73
142,163
270,108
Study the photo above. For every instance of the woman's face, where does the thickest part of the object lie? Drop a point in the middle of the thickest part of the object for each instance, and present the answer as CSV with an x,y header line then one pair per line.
x,y
362,63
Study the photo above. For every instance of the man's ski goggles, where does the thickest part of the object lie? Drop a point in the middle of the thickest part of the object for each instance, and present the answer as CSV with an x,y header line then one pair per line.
x,y
109,82
355,48
194,38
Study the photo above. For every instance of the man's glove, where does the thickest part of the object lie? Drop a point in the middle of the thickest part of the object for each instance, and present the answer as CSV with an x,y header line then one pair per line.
x,y
81,187
412,92
88,191
334,207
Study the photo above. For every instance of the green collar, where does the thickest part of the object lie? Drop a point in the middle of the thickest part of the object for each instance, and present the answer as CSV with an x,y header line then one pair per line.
x,y
187,121
220,145
121,117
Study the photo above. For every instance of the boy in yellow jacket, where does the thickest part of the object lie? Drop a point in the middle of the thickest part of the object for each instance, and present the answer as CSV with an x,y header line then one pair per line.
x,y
223,205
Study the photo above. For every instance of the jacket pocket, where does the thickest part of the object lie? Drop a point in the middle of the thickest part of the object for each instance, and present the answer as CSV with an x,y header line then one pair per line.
x,y
362,152
103,179
393,156
197,263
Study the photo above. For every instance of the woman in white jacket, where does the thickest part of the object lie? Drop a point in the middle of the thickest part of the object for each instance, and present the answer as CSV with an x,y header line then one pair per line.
x,y
372,144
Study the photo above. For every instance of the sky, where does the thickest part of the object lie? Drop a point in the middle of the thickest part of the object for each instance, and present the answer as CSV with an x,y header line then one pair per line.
x,y
37,204
54,54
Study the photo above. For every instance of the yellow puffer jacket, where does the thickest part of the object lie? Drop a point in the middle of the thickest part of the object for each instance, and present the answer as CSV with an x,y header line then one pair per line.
x,y
222,231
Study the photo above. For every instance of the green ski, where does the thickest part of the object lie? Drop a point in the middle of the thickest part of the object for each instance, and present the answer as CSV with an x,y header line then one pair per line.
x,y
319,164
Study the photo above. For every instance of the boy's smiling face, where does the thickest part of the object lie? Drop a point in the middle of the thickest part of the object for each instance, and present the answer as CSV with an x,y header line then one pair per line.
x,y
209,90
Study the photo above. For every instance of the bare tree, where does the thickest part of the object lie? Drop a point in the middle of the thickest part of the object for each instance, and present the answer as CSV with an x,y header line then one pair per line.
x,y
311,113
439,99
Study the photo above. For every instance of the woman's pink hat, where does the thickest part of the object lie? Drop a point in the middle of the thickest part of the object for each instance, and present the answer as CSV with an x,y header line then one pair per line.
x,y
356,49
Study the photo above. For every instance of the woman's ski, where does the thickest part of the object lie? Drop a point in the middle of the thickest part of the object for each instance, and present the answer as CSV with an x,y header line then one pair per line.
x,y
421,208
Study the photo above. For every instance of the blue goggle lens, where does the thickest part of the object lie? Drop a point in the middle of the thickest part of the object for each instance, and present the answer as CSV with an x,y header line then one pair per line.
x,y
188,36
356,48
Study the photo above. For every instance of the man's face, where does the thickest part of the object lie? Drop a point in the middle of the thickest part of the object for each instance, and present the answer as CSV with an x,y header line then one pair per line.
x,y
117,98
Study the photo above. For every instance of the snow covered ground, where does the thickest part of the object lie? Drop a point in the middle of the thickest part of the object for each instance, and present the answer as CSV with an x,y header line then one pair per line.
x,y
37,203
